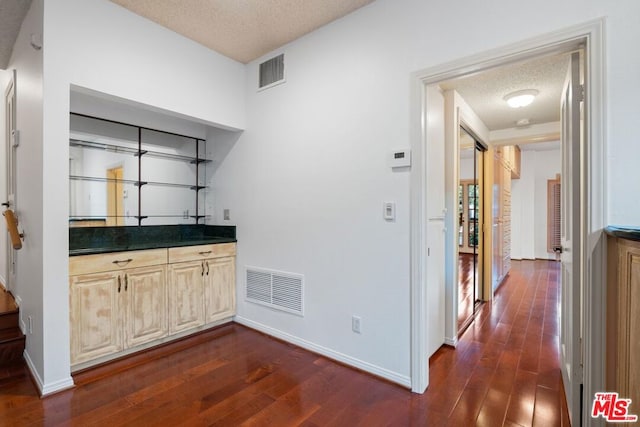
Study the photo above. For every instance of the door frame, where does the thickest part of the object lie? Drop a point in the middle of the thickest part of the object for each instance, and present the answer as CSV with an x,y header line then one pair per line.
x,y
591,35
116,186
9,166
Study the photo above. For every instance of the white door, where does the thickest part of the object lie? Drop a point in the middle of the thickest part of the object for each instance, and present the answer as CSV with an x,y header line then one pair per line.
x,y
435,209
9,203
571,218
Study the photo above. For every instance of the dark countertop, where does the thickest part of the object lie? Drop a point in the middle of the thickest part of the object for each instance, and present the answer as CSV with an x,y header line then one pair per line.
x,y
628,232
99,240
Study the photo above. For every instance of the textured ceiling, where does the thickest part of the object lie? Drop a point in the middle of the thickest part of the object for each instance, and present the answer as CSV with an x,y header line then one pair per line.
x,y
485,91
242,29
12,13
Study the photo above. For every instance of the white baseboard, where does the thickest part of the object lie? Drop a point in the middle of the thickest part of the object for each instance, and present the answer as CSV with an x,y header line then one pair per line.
x,y
453,342
394,377
45,389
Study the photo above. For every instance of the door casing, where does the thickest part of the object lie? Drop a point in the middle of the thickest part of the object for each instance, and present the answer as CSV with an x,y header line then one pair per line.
x,y
590,37
10,173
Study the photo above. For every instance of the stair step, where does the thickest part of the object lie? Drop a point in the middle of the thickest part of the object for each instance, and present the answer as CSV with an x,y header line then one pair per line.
x,y
12,343
10,334
9,320
7,302
9,316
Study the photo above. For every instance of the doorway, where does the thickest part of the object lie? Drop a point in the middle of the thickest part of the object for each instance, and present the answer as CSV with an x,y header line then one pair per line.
x,y
590,37
115,196
470,223
8,269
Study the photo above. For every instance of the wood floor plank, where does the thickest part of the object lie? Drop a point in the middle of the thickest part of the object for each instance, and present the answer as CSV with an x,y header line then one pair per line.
x,y
504,371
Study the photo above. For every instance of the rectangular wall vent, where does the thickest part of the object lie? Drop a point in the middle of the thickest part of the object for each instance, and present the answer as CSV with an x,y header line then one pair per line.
x,y
271,72
275,289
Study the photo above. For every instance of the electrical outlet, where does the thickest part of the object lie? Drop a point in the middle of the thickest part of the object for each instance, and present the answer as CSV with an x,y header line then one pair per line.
x,y
226,215
185,214
30,319
355,324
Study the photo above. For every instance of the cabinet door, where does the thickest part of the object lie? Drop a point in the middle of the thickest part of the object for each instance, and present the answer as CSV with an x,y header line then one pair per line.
x,y
145,291
628,366
94,316
220,288
186,290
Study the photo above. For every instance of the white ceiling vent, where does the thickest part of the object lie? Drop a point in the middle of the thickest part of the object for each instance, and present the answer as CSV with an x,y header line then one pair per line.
x,y
271,72
275,289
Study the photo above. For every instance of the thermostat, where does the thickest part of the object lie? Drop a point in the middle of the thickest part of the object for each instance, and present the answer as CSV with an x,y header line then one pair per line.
x,y
400,158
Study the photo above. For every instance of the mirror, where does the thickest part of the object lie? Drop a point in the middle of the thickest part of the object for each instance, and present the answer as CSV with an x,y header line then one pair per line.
x,y
470,220
121,174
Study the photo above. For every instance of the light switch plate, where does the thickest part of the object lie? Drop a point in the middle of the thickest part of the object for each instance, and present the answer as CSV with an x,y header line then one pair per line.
x,y
389,211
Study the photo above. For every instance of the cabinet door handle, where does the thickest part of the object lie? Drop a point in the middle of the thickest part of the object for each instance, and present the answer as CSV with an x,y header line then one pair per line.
x,y
207,268
119,283
204,253
126,282
119,262
202,265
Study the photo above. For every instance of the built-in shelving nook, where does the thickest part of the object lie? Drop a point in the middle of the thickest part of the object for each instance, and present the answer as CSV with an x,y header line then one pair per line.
x,y
125,174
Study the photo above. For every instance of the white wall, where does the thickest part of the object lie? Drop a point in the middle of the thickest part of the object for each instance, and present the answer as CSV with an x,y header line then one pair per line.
x,y
466,166
308,178
5,77
29,191
529,204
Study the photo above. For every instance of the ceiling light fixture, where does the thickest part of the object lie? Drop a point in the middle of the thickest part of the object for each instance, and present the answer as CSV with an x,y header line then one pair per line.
x,y
521,98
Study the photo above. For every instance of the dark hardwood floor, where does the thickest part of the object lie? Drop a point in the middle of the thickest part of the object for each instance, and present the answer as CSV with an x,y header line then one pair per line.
x,y
466,283
505,371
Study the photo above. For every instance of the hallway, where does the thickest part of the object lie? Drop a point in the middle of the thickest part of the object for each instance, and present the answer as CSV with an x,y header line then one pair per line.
x,y
505,371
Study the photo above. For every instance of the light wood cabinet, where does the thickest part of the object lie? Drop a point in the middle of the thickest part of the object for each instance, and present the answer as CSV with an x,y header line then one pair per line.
x,y
186,293
512,157
115,261
516,162
501,221
202,285
126,300
145,302
116,310
623,319
95,316
219,288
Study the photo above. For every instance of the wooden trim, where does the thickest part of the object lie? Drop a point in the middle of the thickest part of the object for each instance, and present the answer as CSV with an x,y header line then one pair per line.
x,y
547,137
611,355
553,221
